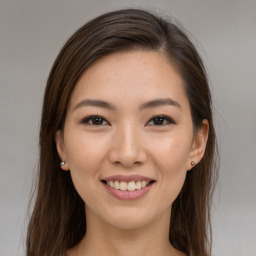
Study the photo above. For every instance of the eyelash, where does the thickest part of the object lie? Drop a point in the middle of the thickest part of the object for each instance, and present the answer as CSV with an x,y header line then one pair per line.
x,y
164,117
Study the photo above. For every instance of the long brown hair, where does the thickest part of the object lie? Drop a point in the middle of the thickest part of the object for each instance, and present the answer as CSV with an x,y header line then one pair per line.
x,y
58,218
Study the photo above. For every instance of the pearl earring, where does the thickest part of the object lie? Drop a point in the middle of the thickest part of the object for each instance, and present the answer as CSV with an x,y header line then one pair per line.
x,y
193,163
62,163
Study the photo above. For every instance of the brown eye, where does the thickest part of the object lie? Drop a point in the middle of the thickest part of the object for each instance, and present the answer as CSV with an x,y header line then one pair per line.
x,y
161,121
94,120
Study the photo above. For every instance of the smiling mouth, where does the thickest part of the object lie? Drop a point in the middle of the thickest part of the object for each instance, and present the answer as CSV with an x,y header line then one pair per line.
x,y
128,186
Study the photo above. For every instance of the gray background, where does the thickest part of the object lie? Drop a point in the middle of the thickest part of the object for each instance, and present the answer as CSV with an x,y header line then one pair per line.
x,y
32,33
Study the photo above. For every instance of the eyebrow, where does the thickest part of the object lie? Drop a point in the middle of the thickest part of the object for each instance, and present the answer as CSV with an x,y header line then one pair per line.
x,y
110,106
95,103
159,102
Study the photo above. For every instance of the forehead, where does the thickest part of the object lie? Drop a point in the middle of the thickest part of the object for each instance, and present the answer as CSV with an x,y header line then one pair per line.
x,y
131,76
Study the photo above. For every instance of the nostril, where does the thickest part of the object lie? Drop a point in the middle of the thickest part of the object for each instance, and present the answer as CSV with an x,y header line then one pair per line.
x,y
127,156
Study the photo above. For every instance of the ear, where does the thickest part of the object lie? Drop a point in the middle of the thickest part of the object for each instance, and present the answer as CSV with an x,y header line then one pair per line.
x,y
61,149
198,145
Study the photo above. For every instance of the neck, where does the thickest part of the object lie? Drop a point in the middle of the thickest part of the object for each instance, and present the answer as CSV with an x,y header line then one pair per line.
x,y
149,240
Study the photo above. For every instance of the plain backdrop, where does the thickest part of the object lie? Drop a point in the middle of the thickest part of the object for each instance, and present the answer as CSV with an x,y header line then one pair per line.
x,y
31,35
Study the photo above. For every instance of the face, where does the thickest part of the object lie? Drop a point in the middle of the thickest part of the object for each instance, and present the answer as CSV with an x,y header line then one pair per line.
x,y
128,138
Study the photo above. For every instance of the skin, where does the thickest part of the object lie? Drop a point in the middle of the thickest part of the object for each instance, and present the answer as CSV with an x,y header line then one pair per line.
x,y
126,142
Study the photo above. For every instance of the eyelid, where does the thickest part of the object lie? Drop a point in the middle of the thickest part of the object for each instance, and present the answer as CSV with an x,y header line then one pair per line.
x,y
169,119
88,118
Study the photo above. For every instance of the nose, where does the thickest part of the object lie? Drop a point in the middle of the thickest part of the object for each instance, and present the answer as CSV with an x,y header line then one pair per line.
x,y
127,148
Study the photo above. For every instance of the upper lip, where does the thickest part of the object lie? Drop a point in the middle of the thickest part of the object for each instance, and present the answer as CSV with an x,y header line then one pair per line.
x,y
127,178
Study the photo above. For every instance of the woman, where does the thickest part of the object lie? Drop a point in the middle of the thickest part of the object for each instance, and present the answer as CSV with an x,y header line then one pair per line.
x,y
127,144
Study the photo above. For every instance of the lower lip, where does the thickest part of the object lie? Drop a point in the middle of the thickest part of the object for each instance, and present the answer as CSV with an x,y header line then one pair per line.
x,y
128,195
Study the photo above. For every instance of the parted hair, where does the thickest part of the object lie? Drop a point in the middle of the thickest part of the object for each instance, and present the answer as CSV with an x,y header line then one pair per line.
x,y
57,220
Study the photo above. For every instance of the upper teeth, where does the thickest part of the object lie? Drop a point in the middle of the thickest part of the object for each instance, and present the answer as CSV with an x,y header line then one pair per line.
x,y
130,186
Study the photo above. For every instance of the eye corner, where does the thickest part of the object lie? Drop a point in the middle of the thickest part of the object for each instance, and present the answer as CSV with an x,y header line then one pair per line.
x,y
170,121
89,120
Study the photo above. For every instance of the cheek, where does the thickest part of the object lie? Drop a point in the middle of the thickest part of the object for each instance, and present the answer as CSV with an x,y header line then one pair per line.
x,y
171,153
170,157
85,155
